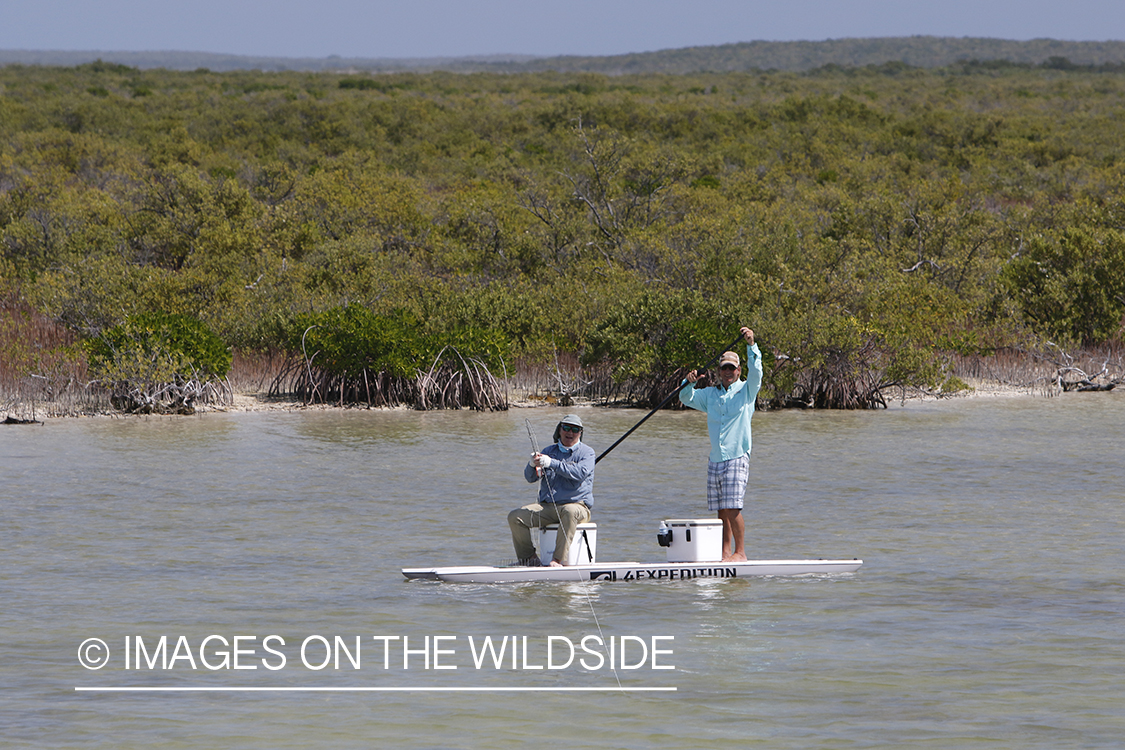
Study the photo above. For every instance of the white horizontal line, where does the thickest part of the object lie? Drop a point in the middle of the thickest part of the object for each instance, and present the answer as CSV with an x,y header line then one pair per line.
x,y
373,689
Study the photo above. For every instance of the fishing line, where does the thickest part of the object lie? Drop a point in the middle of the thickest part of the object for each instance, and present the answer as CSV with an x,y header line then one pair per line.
x,y
590,602
535,449
540,473
584,584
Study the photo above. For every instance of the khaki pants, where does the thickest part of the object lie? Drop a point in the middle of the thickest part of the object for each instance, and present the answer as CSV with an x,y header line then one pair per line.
x,y
523,520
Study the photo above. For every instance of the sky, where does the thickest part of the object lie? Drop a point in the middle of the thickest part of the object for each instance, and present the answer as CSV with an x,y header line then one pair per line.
x,y
457,28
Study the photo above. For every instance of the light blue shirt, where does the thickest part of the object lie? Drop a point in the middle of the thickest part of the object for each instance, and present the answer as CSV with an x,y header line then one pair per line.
x,y
729,410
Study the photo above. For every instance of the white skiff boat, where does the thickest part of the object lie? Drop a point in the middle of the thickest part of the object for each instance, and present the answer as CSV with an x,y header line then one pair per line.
x,y
694,550
632,571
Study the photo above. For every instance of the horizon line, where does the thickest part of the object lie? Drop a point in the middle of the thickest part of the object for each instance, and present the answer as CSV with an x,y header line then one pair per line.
x,y
359,689
484,56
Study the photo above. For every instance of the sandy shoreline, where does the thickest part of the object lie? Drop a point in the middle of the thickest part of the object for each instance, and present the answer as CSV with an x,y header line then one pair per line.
x,y
259,402
245,402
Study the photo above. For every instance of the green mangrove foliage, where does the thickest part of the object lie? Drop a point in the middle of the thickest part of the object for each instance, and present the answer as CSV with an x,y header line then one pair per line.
x,y
159,362
868,223
352,355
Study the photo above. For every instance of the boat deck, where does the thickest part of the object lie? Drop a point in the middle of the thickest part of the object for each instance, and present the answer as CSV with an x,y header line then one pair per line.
x,y
632,571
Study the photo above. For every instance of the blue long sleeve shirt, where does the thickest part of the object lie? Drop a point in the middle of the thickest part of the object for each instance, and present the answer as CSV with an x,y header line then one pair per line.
x,y
729,410
569,478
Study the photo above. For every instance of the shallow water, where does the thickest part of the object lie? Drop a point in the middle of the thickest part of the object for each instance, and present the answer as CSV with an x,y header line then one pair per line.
x,y
988,612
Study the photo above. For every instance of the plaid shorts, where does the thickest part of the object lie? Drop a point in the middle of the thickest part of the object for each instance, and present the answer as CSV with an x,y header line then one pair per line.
x,y
726,483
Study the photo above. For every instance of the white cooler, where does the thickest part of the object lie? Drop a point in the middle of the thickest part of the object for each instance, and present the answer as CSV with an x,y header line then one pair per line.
x,y
583,547
695,539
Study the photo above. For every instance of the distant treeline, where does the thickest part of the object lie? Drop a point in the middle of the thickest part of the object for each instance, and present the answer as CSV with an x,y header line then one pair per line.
x,y
869,223
913,51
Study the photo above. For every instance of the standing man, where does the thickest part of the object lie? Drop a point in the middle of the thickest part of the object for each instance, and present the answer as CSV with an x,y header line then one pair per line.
x,y
565,472
729,406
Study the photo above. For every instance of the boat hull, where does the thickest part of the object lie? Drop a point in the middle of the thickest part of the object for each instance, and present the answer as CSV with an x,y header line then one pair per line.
x,y
632,571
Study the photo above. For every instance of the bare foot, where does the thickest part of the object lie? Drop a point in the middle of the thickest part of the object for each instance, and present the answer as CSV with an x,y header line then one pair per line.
x,y
556,564
735,558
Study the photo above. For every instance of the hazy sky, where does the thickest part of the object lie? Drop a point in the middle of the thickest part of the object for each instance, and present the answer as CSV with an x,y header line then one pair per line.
x,y
433,28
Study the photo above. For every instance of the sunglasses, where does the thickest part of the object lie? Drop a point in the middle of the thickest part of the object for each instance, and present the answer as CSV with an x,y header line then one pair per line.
x,y
728,367
570,428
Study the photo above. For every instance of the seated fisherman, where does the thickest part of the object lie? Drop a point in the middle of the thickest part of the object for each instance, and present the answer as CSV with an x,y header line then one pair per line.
x,y
565,471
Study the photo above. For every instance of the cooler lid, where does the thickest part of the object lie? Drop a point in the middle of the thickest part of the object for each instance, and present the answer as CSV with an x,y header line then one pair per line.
x,y
693,522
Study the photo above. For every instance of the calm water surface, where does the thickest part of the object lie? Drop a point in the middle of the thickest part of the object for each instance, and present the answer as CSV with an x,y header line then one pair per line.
x,y
988,613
